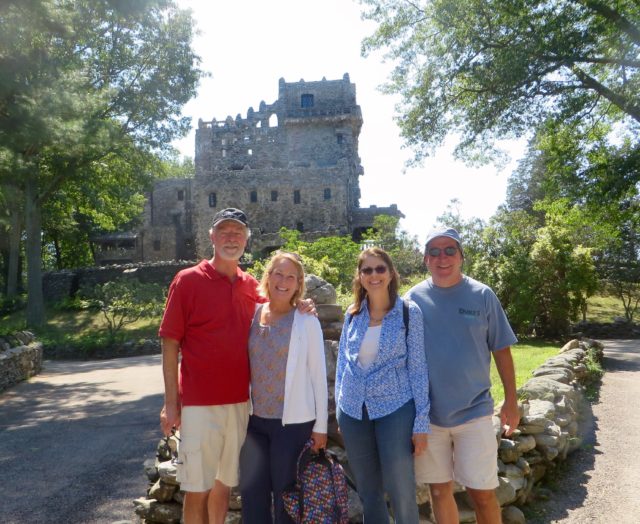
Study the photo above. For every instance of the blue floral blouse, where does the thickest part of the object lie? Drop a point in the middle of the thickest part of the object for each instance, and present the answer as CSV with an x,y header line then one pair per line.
x,y
398,374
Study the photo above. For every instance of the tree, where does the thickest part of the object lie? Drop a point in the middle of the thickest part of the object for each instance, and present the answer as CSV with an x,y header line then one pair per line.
x,y
406,253
488,69
619,262
125,301
82,80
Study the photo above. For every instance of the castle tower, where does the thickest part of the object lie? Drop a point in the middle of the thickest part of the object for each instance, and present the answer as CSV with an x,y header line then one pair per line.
x,y
293,163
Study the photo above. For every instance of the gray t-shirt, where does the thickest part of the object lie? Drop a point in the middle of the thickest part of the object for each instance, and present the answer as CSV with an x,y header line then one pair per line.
x,y
462,325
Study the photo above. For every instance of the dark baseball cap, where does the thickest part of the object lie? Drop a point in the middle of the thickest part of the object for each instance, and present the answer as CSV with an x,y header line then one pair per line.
x,y
231,213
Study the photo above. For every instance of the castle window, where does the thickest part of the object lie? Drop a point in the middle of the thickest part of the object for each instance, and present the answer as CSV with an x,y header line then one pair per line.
x,y
274,196
327,193
249,152
224,153
339,138
253,196
156,245
296,196
273,120
180,194
306,101
300,226
224,141
213,200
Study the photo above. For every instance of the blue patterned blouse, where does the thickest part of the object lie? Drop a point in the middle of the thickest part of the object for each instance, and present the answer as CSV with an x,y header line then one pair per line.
x,y
398,374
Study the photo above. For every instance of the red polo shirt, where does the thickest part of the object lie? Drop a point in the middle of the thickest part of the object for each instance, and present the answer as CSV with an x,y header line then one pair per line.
x,y
210,316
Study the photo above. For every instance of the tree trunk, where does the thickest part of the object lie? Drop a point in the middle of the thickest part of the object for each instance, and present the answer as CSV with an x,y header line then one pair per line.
x,y
15,230
33,226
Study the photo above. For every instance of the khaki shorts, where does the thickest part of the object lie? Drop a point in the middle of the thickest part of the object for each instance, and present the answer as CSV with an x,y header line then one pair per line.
x,y
209,449
465,453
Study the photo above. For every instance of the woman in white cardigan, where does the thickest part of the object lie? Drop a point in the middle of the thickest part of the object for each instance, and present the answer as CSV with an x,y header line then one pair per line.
x,y
288,392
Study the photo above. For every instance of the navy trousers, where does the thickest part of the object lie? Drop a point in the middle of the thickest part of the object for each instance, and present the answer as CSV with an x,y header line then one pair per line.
x,y
268,461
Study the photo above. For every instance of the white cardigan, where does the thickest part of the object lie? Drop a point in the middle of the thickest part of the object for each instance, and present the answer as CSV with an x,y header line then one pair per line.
x,y
305,387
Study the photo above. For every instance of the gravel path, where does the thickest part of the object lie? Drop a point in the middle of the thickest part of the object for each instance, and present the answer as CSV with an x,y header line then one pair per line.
x,y
73,440
601,481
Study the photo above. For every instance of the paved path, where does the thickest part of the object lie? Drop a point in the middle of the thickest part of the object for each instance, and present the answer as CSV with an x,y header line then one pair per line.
x,y
73,440
600,484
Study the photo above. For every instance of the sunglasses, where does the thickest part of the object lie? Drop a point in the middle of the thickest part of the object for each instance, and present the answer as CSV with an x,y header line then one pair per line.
x,y
381,270
435,251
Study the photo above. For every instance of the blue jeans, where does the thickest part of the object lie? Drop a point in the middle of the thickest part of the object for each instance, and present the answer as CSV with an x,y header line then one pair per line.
x,y
268,463
381,457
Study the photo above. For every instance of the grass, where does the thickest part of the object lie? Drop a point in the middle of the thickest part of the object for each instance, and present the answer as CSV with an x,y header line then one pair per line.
x,y
526,357
85,330
604,308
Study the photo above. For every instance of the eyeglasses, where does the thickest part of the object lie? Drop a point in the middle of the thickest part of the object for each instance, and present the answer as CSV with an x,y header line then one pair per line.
x,y
435,251
381,270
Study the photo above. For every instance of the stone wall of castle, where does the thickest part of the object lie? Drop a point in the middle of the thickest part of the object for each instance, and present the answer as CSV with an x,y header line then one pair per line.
x,y
293,163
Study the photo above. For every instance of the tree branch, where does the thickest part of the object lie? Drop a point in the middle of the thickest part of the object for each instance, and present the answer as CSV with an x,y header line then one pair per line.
x,y
614,16
591,83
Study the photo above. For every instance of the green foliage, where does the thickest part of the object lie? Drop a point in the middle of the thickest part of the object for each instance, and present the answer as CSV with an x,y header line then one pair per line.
x,y
490,69
619,262
85,82
406,253
124,301
11,304
330,258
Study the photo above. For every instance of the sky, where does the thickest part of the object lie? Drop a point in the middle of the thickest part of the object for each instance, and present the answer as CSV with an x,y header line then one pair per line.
x,y
248,45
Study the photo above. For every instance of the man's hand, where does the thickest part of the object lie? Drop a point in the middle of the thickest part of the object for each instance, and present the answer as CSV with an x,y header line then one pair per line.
x,y
307,306
169,419
509,417
419,443
319,441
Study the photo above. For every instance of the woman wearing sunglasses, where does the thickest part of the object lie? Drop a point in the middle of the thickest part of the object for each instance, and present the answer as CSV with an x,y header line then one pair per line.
x,y
382,390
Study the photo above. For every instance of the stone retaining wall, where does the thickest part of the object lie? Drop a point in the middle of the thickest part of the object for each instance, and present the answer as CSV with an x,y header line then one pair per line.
x,y
20,358
58,285
619,328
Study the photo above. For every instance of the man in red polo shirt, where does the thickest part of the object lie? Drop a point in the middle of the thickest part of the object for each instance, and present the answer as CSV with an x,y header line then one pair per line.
x,y
207,318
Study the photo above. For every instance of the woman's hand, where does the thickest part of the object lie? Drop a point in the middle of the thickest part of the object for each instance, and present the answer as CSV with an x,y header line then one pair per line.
x,y
319,441
307,306
419,443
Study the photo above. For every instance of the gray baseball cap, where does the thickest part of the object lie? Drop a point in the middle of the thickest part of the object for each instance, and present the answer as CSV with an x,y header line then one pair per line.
x,y
448,232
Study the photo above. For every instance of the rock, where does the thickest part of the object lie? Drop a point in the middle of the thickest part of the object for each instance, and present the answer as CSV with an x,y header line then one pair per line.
x,y
512,515
508,450
330,356
545,389
329,313
320,290
505,492
514,476
233,517
162,492
525,443
558,374
572,344
167,471
154,511
151,470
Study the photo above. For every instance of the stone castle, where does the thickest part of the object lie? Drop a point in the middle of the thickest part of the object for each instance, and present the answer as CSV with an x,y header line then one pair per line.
x,y
293,163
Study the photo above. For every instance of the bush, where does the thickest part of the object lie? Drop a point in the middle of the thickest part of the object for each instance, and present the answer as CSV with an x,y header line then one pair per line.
x,y
124,301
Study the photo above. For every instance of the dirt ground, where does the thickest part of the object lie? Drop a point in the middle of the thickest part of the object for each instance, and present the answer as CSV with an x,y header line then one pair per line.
x,y
599,483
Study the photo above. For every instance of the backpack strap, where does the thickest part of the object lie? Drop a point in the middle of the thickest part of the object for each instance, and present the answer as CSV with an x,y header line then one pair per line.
x,y
405,318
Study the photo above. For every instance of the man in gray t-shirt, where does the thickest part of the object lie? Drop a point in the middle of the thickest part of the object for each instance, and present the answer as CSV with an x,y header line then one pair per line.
x,y
464,325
